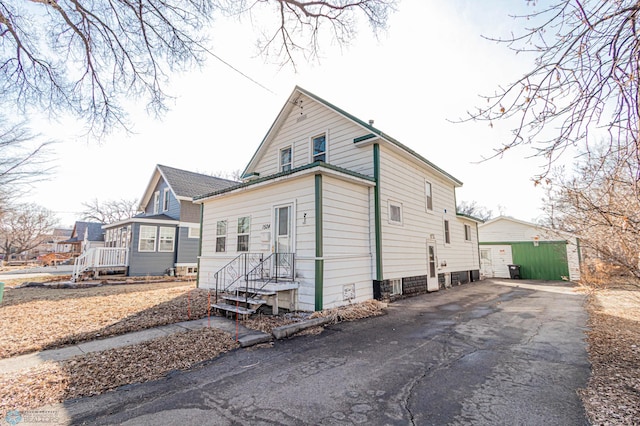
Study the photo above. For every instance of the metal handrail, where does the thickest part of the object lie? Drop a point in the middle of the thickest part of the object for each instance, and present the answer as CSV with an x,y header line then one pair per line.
x,y
234,270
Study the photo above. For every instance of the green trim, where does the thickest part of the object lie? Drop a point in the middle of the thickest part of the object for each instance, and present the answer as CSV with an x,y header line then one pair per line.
x,y
378,213
468,216
364,138
200,245
495,243
320,164
319,263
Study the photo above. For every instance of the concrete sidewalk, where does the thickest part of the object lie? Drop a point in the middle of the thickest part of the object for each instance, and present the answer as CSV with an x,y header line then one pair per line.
x,y
246,337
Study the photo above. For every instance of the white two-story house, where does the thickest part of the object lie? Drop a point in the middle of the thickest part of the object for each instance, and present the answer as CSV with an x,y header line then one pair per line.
x,y
346,212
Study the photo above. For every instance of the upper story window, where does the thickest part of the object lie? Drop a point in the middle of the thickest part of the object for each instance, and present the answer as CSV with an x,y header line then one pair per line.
x,y
156,202
285,159
165,200
428,195
447,232
319,148
467,233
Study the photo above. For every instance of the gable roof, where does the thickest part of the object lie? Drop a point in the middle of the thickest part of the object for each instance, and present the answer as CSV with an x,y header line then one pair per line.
x,y
183,184
94,232
373,133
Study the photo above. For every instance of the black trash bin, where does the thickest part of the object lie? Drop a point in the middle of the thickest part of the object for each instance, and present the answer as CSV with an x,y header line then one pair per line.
x,y
514,272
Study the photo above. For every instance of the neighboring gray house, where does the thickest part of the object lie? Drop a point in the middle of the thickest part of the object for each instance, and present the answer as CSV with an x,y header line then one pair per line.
x,y
165,237
84,236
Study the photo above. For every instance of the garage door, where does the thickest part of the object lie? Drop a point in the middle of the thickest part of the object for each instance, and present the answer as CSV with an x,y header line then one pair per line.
x,y
546,261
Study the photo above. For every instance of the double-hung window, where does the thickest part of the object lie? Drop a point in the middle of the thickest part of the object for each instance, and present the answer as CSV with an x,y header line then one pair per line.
x,y
244,224
428,196
285,159
147,240
319,148
156,202
221,236
467,233
165,200
166,239
447,233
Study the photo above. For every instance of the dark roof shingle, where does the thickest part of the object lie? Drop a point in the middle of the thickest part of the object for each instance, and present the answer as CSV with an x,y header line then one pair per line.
x,y
190,184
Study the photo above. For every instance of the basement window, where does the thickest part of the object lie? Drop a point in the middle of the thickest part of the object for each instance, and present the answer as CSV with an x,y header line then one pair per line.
x,y
396,287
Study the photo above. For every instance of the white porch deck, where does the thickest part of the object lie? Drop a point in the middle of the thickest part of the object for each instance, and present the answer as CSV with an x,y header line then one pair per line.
x,y
100,259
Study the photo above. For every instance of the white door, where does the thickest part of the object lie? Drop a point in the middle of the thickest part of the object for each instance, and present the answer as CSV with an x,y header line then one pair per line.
x,y
432,263
283,240
486,267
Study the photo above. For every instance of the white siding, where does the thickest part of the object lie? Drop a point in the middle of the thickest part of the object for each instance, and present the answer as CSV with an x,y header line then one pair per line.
x,y
297,132
259,204
405,246
505,230
346,241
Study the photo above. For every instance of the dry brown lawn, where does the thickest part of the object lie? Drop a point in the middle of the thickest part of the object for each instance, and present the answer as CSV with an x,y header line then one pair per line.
x,y
39,318
612,395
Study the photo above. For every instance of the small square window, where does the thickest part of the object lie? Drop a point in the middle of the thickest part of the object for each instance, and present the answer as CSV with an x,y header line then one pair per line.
x,y
319,145
395,212
396,286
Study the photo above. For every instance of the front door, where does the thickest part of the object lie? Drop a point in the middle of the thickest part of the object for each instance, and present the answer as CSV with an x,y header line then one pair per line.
x,y
283,240
432,275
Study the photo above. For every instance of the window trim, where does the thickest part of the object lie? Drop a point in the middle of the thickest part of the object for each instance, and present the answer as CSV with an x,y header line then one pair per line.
x,y
173,239
165,200
428,202
242,234
398,204
446,229
193,232
326,147
396,286
155,238
281,165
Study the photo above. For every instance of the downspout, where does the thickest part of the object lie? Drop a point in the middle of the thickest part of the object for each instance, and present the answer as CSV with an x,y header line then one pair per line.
x,y
200,245
377,213
319,261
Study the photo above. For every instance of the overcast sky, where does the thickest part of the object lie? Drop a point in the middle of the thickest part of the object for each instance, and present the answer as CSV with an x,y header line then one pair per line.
x,y
429,68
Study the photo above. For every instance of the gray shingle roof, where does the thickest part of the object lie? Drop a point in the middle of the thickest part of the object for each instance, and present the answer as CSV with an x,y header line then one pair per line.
x,y
95,232
190,184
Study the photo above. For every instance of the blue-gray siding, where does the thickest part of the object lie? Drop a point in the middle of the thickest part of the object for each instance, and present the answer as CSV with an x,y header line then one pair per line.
x,y
148,263
187,247
174,204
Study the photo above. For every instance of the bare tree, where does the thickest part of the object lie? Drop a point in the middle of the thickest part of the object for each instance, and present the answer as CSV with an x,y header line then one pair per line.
x,y
109,211
24,159
473,209
584,84
601,204
86,57
24,227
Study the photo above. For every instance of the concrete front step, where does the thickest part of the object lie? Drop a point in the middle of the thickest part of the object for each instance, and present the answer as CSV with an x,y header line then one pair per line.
x,y
233,308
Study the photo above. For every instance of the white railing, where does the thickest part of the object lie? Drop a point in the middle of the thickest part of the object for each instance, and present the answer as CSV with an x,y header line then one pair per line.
x,y
100,257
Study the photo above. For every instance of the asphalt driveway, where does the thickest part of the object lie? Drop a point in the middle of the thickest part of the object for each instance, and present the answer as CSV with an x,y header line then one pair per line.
x,y
486,353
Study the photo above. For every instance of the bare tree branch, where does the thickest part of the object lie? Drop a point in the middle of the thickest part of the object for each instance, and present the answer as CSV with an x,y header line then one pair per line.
x,y
584,83
109,211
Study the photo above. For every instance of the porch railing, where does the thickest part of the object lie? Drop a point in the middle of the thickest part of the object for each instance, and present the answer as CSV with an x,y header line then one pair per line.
x,y
100,257
252,271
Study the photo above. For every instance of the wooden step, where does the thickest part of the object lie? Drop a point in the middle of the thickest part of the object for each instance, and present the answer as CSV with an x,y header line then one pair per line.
x,y
242,299
233,308
257,292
